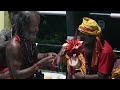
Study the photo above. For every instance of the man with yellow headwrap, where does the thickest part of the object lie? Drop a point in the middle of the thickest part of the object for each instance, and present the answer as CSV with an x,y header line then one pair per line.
x,y
98,53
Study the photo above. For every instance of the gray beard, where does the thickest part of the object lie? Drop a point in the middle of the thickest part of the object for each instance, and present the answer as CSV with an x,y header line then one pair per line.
x,y
30,37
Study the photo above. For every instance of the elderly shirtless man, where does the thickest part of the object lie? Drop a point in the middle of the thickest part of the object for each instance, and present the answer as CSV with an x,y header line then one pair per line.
x,y
22,56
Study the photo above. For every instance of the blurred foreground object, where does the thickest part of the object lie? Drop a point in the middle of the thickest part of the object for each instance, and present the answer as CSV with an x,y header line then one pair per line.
x,y
116,70
53,75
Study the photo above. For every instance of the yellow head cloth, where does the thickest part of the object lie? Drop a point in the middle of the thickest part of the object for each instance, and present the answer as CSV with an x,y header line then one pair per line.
x,y
89,27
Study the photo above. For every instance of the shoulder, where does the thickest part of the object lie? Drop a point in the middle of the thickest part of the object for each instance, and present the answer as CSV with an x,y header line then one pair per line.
x,y
107,48
13,45
107,53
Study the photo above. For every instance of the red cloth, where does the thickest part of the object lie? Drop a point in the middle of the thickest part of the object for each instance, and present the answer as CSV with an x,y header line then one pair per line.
x,y
106,59
17,38
4,70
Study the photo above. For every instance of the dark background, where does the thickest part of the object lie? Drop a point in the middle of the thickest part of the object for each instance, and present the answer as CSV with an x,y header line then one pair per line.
x,y
53,31
111,31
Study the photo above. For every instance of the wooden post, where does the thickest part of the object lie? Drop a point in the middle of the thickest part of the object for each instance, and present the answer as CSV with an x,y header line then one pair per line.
x,y
4,20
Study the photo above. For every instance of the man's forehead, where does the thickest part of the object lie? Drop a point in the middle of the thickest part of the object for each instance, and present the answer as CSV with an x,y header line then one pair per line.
x,y
35,17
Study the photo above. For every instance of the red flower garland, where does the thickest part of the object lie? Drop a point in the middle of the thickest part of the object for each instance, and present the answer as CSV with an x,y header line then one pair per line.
x,y
73,46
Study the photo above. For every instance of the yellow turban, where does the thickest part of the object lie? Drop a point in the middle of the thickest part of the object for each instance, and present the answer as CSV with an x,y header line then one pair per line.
x,y
90,27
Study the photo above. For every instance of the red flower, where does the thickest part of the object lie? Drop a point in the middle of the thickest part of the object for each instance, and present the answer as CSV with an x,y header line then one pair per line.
x,y
73,46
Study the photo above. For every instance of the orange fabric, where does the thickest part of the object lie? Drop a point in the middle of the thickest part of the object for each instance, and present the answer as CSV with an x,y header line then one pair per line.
x,y
96,52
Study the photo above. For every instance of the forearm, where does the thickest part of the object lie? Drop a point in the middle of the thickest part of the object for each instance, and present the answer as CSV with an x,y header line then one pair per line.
x,y
41,55
59,55
25,73
93,76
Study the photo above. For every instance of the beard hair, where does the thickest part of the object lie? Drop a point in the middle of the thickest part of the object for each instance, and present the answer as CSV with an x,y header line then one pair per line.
x,y
30,37
33,37
89,46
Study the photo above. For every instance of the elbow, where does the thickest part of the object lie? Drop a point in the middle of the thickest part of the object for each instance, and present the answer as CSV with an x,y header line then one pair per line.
x,y
17,75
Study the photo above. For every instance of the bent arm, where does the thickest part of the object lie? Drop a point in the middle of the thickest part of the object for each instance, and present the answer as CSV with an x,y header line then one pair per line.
x,y
14,61
41,55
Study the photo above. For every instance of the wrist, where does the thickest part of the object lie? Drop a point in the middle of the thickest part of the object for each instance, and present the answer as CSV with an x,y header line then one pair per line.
x,y
37,67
